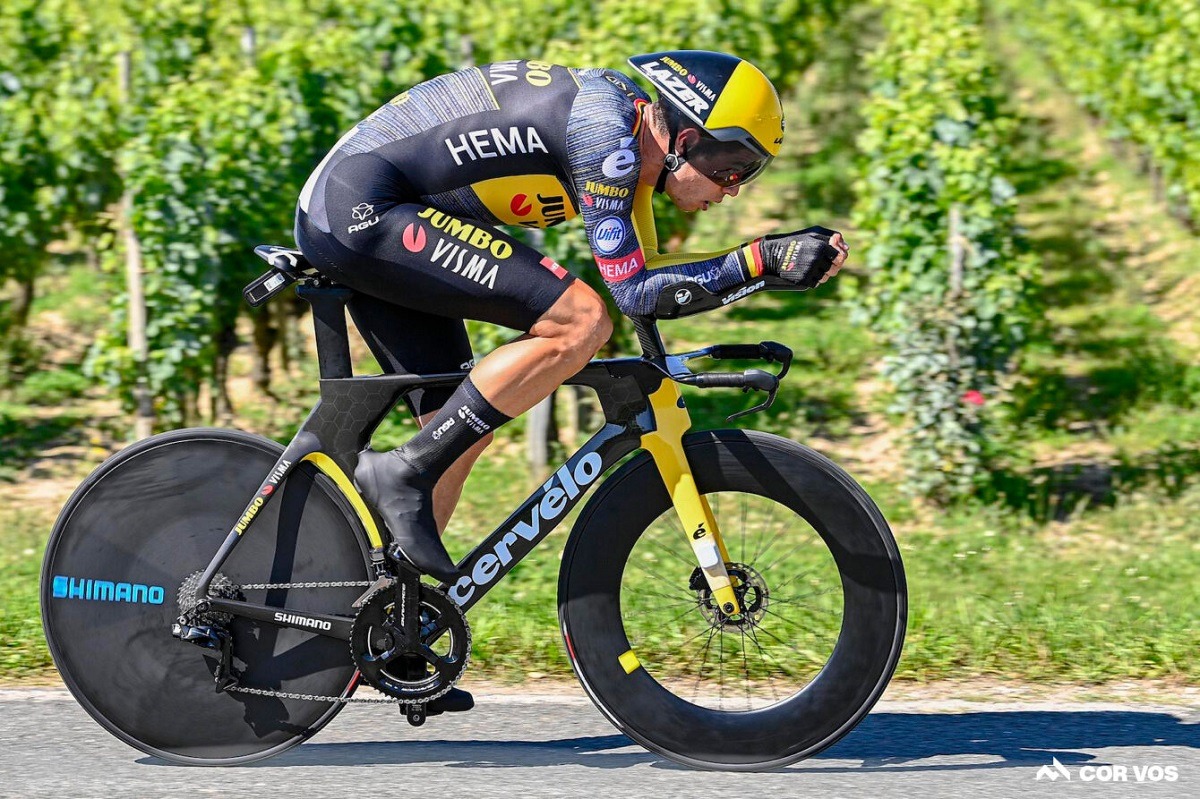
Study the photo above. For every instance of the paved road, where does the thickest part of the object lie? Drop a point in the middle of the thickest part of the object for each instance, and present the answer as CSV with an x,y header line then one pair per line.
x,y
559,746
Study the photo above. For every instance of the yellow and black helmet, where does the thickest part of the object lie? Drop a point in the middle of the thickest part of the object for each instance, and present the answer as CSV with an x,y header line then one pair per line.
x,y
727,97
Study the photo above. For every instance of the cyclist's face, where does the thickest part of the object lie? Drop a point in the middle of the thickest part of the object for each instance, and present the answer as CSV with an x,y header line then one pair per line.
x,y
690,188
692,191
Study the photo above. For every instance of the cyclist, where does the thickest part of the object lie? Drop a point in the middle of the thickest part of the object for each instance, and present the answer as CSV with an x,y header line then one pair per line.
x,y
402,210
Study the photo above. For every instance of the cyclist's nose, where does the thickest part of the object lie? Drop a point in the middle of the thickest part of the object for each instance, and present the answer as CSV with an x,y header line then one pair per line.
x,y
732,191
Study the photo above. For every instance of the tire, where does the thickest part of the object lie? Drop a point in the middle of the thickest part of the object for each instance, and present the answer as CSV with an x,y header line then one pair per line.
x,y
810,667
143,521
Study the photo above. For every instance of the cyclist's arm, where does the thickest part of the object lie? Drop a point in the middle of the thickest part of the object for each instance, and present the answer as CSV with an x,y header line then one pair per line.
x,y
618,214
637,273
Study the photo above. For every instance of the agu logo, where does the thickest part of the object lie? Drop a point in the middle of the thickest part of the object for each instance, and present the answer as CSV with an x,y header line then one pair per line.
x,y
362,211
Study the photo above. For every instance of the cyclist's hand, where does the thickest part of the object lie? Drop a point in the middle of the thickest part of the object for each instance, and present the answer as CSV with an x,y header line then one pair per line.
x,y
808,257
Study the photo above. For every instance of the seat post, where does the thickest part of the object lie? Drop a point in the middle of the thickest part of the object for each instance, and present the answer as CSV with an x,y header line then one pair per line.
x,y
329,322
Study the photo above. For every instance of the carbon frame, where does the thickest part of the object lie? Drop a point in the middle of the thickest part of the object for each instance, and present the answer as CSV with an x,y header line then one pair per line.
x,y
349,411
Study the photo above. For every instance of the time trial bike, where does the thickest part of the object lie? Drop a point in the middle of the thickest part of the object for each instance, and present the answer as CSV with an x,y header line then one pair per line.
x,y
727,598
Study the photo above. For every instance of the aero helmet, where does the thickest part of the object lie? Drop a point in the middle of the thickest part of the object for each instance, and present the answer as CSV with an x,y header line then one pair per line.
x,y
727,97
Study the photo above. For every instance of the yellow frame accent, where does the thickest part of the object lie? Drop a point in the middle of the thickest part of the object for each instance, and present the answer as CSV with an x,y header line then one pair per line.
x,y
647,235
665,445
334,472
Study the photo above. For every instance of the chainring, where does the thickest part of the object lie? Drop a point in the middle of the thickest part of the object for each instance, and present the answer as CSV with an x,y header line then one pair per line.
x,y
412,672
221,587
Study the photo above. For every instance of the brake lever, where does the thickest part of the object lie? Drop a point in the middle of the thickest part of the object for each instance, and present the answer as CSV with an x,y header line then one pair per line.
x,y
758,380
770,351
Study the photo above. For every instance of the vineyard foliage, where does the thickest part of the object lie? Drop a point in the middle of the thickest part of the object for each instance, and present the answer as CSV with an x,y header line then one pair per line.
x,y
209,117
948,287
227,108
1132,64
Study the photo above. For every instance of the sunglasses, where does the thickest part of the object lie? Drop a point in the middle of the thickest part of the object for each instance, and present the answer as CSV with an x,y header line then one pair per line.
x,y
726,164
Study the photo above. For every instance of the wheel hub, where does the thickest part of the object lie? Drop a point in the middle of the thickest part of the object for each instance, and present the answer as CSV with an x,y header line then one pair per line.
x,y
752,594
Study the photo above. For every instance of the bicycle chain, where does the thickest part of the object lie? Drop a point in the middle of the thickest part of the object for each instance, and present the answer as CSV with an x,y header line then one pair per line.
x,y
341,700
330,584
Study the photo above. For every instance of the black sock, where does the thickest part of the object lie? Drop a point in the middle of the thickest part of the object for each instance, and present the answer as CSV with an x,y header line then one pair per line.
x,y
465,418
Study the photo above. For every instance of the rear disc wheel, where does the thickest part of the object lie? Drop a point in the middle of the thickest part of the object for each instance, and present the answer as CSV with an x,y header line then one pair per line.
x,y
130,536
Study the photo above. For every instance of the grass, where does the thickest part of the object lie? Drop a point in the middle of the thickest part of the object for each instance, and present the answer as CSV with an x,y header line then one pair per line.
x,y
25,433
1113,373
69,288
1084,568
1093,600
1100,597
23,651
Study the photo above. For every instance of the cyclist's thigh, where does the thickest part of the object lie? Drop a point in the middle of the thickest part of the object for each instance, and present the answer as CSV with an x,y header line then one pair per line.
x,y
407,341
412,255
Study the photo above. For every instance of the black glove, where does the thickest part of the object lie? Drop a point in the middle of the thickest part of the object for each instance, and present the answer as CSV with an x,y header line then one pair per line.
x,y
802,257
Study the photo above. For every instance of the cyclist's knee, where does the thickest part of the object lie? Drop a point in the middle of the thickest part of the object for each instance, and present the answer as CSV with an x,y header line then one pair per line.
x,y
595,326
578,322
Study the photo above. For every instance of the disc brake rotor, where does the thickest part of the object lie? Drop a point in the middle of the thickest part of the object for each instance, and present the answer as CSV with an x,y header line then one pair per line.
x,y
752,593
411,671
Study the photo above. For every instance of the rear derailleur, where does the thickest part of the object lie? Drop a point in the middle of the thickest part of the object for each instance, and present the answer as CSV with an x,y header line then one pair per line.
x,y
199,625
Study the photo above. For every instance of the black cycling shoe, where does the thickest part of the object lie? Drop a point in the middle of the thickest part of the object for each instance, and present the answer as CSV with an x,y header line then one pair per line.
x,y
456,700
404,498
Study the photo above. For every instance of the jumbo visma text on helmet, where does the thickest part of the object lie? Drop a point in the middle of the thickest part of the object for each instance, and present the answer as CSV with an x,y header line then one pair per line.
x,y
726,96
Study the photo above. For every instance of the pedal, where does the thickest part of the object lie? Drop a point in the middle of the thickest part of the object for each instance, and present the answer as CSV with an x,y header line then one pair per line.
x,y
415,714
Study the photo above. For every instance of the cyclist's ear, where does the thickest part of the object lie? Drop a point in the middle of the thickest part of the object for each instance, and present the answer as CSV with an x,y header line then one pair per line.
x,y
686,139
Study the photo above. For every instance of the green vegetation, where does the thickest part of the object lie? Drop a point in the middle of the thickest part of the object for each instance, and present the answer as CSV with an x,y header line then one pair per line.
x,y
1131,65
948,288
23,651
1076,557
